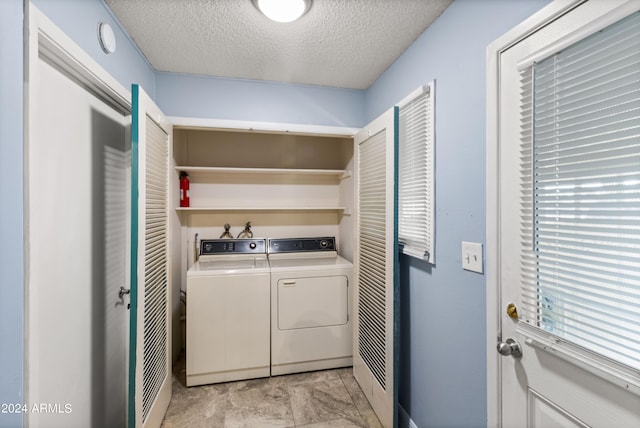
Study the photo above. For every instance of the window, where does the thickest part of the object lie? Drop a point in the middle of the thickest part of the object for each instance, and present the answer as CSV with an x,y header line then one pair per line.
x,y
416,174
581,193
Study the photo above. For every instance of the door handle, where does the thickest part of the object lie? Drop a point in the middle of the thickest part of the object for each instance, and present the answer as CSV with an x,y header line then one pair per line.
x,y
510,347
121,294
123,291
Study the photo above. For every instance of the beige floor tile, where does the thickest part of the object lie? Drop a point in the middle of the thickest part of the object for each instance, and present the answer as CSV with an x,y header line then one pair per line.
x,y
370,419
188,406
321,401
358,397
354,422
263,405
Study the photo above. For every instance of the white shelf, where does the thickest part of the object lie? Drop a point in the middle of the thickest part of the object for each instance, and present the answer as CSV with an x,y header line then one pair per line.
x,y
197,170
342,210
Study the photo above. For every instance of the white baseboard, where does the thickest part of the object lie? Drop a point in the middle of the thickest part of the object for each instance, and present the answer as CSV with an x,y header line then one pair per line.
x,y
405,420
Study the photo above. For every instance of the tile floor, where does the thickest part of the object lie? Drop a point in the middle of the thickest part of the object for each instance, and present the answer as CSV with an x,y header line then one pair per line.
x,y
322,399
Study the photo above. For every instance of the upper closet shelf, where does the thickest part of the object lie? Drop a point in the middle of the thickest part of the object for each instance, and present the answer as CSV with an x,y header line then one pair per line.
x,y
196,171
342,210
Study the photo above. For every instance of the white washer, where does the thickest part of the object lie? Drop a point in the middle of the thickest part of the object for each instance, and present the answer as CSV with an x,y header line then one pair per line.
x,y
228,312
311,301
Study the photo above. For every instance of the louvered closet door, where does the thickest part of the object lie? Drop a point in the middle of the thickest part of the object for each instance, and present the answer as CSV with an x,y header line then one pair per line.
x,y
150,359
376,285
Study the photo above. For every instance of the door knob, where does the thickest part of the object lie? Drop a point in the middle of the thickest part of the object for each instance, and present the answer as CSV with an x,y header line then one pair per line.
x,y
510,347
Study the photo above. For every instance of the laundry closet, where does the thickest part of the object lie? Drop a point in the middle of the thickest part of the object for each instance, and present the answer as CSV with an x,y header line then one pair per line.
x,y
286,184
292,195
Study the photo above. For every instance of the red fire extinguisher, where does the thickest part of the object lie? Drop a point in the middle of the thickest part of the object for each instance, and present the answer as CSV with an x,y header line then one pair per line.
x,y
184,189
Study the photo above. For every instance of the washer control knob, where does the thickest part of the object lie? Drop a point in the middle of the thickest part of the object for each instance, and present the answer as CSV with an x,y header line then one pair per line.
x,y
252,245
324,243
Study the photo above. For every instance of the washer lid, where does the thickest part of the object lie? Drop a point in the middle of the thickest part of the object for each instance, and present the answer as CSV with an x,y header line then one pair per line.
x,y
228,265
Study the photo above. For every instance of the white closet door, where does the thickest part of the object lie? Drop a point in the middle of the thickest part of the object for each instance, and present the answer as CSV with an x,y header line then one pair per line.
x,y
376,259
76,232
150,358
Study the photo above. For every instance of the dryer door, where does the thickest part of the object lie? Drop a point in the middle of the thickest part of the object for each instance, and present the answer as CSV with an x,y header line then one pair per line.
x,y
312,302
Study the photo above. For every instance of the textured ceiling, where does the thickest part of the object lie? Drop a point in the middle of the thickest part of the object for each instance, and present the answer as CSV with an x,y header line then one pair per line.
x,y
341,43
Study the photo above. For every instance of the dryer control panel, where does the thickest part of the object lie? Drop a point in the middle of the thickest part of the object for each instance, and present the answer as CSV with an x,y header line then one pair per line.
x,y
232,246
299,245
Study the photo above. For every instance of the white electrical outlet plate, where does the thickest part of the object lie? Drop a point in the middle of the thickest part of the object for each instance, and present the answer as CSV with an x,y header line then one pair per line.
x,y
472,256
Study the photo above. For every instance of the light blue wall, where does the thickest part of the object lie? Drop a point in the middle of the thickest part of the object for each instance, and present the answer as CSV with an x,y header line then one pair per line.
x,y
79,20
443,362
11,200
251,100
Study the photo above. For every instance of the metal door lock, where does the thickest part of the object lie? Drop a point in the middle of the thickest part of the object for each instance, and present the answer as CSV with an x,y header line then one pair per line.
x,y
512,311
510,347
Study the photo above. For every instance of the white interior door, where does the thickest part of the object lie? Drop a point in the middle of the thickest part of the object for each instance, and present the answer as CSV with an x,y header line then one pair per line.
x,y
77,164
150,356
562,379
375,301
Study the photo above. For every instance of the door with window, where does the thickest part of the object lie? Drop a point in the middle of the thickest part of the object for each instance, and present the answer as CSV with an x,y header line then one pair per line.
x,y
567,198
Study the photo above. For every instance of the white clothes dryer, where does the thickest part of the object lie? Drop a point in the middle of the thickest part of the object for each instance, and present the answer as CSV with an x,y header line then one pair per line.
x,y
228,312
311,304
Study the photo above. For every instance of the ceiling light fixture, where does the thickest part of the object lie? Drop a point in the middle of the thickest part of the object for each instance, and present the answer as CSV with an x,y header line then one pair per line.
x,y
283,10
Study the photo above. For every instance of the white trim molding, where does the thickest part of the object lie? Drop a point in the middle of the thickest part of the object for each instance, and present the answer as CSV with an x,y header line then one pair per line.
x,y
292,128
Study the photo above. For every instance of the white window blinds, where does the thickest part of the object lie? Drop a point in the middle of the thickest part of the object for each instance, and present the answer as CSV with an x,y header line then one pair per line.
x,y
581,193
416,174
